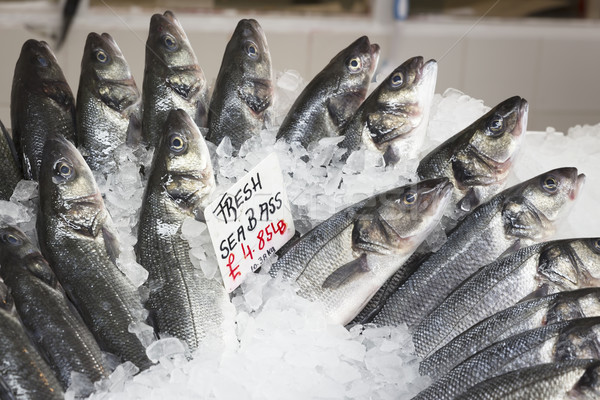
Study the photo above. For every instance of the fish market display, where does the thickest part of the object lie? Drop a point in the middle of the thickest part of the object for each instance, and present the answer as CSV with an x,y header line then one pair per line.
x,y
393,119
172,78
557,342
332,96
520,215
545,268
10,168
523,316
183,302
60,335
345,259
41,102
76,237
108,102
243,92
576,379
23,372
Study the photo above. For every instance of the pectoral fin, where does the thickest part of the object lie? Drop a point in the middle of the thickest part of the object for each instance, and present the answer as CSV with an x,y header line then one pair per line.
x,y
469,201
342,107
347,273
111,244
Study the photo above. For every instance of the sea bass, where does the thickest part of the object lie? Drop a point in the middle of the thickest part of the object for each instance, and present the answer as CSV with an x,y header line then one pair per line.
x,y
332,96
10,168
23,372
108,102
76,237
521,317
183,302
543,268
345,259
393,119
41,102
172,78
243,92
568,340
518,216
60,334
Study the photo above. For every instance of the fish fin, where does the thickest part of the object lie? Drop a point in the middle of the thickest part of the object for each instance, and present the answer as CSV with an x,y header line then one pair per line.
x,y
134,130
390,157
111,244
539,292
342,107
469,201
347,273
513,247
5,391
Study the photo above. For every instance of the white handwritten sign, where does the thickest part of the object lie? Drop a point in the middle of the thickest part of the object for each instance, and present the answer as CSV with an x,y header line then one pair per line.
x,y
250,221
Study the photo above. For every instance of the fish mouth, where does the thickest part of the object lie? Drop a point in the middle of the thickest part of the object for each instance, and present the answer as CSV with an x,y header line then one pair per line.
x,y
523,115
439,192
374,51
577,187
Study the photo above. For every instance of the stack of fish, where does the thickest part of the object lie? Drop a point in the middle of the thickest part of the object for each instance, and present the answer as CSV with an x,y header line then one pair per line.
x,y
368,263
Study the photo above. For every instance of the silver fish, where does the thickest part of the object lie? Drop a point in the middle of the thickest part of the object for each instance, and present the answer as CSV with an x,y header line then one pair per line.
x,y
183,302
332,96
243,93
10,169
344,260
518,216
108,102
76,237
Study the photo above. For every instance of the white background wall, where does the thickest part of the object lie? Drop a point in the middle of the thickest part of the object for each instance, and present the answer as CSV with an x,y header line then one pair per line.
x,y
554,64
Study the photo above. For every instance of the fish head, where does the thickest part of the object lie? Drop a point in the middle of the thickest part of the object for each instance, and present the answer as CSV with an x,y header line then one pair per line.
x,y
185,167
249,49
66,184
104,58
532,208
402,100
571,264
573,304
400,219
497,135
354,66
167,43
19,254
37,62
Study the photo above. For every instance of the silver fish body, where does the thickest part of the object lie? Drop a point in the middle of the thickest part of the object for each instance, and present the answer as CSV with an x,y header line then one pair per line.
x,y
521,317
76,237
576,339
332,96
243,92
57,332
173,78
393,119
23,372
10,168
547,267
518,216
573,379
41,102
343,261
183,302
108,102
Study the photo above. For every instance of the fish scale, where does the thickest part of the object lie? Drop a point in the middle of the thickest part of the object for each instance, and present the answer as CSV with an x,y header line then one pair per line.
x,y
10,169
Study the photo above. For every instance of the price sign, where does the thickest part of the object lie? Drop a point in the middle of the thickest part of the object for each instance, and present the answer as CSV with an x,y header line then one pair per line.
x,y
250,221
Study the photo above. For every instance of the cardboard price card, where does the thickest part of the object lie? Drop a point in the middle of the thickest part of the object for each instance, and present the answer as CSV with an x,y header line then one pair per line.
x,y
250,221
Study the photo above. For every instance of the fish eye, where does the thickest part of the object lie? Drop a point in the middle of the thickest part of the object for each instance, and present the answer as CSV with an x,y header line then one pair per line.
x,y
496,124
177,144
11,239
43,61
409,198
354,65
170,42
550,184
397,79
101,56
62,168
596,244
252,50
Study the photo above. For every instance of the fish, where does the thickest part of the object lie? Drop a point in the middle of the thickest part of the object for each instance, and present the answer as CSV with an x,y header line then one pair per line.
x,y
576,339
393,119
529,314
10,169
173,78
23,371
109,104
77,238
519,216
41,102
573,379
183,303
478,159
331,98
243,92
344,260
44,309
536,270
